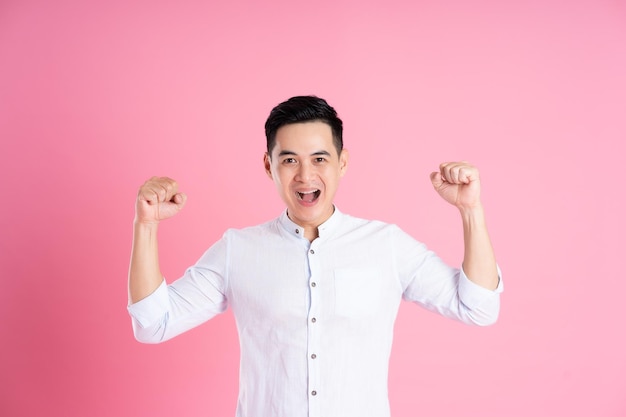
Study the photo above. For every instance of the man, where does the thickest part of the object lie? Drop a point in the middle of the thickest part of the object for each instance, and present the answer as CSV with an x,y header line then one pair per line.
x,y
314,292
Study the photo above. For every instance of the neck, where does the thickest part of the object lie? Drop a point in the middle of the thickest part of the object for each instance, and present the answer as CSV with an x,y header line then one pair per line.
x,y
311,233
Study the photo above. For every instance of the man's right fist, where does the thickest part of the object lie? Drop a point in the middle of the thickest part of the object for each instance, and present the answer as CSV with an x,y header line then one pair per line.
x,y
158,199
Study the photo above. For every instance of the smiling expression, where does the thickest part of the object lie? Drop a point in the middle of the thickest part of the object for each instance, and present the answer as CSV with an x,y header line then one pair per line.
x,y
306,170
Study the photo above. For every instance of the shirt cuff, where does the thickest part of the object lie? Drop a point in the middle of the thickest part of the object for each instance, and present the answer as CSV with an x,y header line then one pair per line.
x,y
472,294
152,308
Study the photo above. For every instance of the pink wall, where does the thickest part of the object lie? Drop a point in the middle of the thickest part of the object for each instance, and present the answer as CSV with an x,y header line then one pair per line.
x,y
97,96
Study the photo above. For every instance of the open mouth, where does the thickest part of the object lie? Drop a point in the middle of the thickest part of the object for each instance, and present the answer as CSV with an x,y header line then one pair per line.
x,y
309,196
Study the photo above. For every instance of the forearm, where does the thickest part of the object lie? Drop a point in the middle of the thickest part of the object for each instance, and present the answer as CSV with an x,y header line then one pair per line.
x,y
479,262
144,275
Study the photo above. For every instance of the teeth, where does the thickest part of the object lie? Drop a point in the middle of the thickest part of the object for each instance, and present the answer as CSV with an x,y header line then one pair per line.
x,y
302,194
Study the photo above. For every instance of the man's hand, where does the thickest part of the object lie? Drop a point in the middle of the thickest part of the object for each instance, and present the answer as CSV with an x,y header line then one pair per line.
x,y
158,199
458,183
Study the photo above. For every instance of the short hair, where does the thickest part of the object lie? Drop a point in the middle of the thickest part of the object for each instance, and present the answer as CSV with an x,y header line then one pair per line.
x,y
301,109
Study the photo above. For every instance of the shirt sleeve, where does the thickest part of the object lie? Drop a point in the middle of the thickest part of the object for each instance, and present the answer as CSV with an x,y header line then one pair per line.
x,y
199,295
428,281
481,305
155,305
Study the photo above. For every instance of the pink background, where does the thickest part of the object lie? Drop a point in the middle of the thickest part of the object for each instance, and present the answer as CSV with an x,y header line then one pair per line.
x,y
97,96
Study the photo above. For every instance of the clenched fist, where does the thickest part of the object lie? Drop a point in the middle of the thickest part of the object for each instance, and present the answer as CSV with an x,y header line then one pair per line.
x,y
458,183
158,199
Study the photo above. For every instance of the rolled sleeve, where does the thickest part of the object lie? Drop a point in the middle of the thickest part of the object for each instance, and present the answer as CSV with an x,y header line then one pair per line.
x,y
151,309
483,303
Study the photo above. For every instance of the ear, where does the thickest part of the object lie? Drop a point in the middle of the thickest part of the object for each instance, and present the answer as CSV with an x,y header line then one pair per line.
x,y
343,162
268,165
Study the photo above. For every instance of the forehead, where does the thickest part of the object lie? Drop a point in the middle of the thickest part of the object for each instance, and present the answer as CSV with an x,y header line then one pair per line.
x,y
305,138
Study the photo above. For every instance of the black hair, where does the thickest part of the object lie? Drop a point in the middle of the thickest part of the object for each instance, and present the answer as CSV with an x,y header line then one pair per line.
x,y
302,109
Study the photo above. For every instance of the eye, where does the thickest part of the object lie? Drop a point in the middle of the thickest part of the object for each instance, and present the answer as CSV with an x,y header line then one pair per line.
x,y
289,161
320,159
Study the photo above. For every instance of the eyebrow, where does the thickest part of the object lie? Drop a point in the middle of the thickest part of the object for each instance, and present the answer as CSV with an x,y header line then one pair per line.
x,y
287,152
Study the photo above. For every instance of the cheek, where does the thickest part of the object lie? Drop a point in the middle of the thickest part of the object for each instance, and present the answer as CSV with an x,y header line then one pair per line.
x,y
331,176
282,176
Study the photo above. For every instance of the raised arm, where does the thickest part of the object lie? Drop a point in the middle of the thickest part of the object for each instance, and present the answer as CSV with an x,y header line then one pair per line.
x,y
458,183
158,199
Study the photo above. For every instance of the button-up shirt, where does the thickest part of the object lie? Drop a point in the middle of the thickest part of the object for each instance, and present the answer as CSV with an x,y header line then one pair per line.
x,y
315,319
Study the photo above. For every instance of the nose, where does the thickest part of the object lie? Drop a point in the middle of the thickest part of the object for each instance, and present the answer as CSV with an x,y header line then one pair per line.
x,y
305,172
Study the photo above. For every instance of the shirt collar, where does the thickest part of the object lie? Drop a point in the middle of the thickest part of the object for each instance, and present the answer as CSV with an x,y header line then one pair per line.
x,y
325,229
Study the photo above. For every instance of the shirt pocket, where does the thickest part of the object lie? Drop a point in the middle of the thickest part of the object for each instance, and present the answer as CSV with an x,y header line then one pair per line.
x,y
359,292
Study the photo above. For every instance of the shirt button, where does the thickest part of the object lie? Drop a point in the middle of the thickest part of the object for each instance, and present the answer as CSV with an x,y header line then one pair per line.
x,y
313,392
313,284
313,356
297,231
313,320
312,252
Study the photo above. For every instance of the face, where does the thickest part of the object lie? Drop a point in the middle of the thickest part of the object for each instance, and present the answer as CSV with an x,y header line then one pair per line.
x,y
306,169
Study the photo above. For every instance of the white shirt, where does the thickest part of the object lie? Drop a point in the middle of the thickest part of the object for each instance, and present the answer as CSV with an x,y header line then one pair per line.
x,y
315,319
